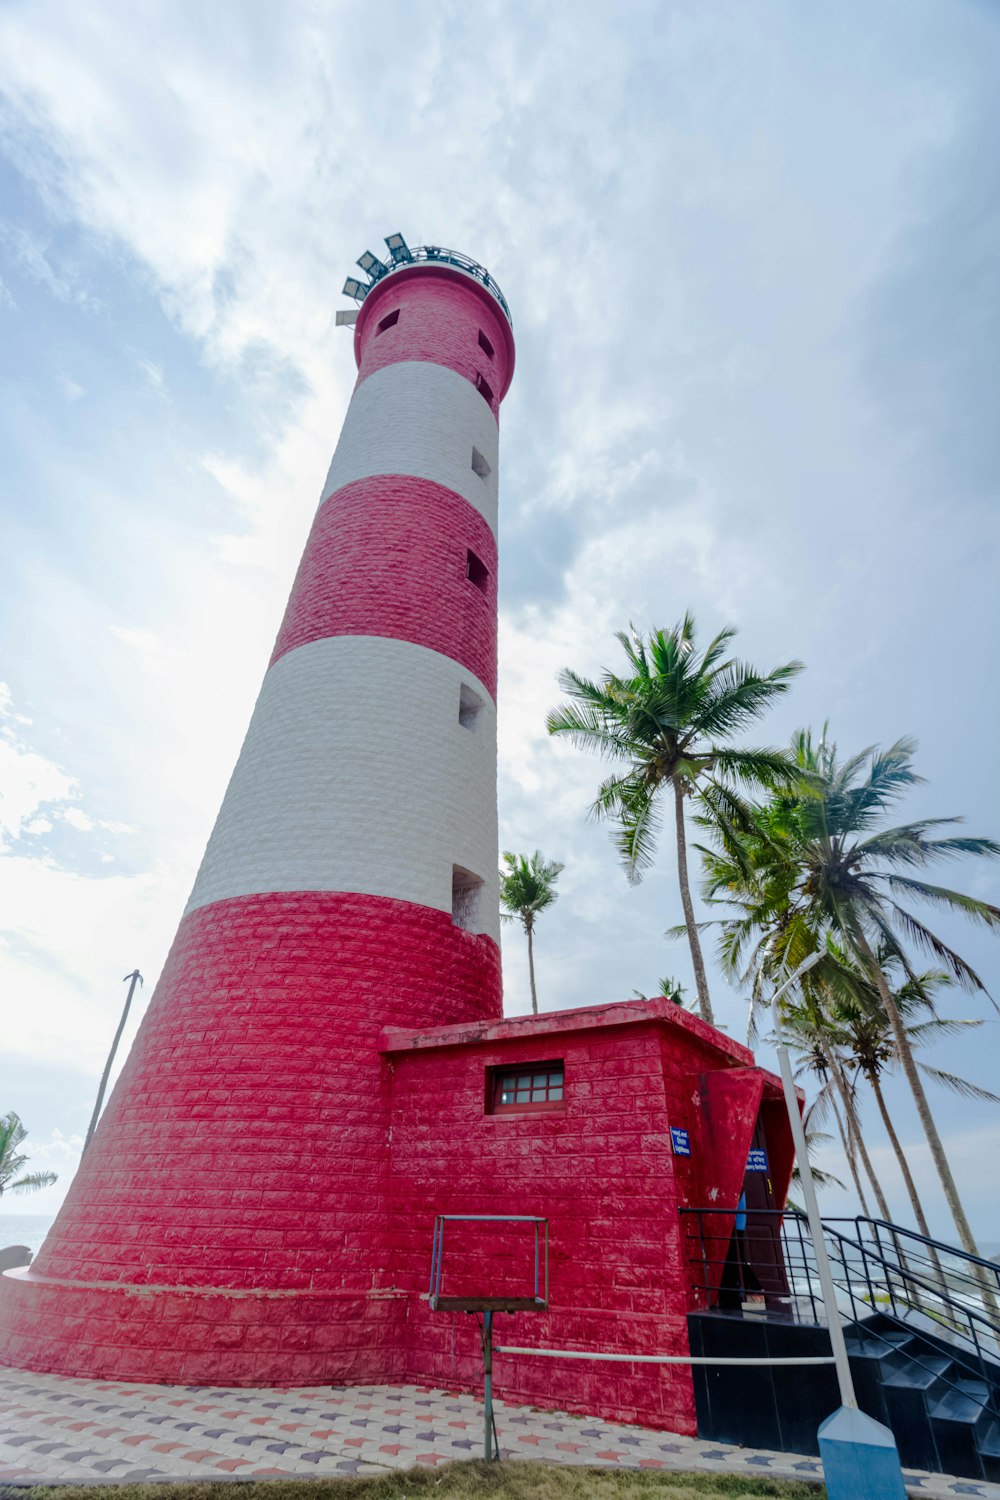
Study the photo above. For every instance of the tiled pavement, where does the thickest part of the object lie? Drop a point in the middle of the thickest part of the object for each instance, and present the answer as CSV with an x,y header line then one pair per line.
x,y
79,1431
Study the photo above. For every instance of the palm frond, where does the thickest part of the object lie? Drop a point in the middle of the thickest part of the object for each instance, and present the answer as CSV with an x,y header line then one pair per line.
x,y
957,1085
32,1181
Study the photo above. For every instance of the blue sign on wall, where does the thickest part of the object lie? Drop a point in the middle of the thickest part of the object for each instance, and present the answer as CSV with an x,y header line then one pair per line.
x,y
757,1160
681,1141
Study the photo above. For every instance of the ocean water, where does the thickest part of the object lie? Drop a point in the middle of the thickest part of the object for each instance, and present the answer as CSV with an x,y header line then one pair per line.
x,y
25,1229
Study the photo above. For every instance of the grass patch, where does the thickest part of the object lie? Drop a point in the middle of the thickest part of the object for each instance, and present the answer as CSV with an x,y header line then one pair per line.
x,y
456,1481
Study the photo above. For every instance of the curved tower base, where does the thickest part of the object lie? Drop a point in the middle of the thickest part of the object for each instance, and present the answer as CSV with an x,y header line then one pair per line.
x,y
240,1237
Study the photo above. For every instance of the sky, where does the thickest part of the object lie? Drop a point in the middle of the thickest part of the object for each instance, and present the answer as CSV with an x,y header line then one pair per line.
x,y
752,255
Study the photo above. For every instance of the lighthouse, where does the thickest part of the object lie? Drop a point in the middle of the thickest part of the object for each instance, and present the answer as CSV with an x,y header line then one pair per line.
x,y
325,1072
228,1221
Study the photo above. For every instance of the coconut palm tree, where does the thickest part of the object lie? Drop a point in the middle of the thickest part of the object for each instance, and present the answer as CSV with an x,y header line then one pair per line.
x,y
822,860
669,722
528,887
666,989
13,1178
671,989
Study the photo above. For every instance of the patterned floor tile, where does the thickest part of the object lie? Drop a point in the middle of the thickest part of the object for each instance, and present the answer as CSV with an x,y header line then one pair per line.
x,y
58,1430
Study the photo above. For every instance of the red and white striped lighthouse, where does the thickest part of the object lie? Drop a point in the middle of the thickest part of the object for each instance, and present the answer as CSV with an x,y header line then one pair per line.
x,y
228,1223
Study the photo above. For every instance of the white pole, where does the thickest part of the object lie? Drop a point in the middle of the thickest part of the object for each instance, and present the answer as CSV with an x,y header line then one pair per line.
x,y
828,1291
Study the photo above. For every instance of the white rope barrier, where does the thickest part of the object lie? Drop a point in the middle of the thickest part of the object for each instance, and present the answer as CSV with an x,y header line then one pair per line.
x,y
660,1359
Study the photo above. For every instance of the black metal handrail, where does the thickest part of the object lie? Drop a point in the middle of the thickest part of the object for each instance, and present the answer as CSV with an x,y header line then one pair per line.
x,y
854,1260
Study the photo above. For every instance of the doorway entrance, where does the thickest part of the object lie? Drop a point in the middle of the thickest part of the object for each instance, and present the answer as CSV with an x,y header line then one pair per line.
x,y
754,1275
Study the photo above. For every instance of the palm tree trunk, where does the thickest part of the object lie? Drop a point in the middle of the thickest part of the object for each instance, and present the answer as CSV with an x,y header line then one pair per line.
x,y
854,1131
531,970
938,1156
698,963
904,1167
852,1159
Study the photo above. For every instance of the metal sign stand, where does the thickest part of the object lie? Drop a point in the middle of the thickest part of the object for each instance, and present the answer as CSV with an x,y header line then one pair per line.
x,y
486,1307
491,1448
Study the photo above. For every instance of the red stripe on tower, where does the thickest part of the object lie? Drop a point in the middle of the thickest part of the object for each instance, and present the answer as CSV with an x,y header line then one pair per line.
x,y
400,557
229,1221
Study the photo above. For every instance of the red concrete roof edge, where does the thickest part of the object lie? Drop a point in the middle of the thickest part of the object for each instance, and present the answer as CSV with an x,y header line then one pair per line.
x,y
585,1018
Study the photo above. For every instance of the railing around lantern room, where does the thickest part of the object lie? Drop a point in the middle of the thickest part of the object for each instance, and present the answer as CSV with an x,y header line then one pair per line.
x,y
403,255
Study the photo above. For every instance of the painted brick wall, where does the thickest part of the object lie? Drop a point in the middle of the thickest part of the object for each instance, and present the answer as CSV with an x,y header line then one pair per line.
x,y
242,1160
601,1171
440,317
264,1008
387,556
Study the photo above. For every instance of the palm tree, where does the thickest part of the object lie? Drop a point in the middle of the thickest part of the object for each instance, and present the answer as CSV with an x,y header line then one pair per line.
x,y
527,887
666,989
670,722
821,861
13,1179
670,989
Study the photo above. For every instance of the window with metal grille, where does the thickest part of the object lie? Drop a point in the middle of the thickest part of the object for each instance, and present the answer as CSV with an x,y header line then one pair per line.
x,y
484,343
389,321
534,1086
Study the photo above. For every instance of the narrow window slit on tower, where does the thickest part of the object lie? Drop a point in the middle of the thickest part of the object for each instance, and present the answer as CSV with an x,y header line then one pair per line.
x,y
476,570
485,389
479,465
484,343
389,321
469,707
466,899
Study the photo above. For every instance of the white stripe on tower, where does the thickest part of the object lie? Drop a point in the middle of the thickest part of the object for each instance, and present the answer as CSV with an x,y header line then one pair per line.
x,y
358,774
424,420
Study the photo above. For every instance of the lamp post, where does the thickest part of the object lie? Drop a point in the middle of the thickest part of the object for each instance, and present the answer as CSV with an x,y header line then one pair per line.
x,y
827,1289
860,1458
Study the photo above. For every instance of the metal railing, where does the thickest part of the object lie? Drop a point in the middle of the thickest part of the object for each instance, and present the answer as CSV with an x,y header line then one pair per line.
x,y
440,256
768,1270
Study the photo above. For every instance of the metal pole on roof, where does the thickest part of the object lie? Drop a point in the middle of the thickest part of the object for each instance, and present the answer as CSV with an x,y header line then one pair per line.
x,y
816,1232
859,1455
132,980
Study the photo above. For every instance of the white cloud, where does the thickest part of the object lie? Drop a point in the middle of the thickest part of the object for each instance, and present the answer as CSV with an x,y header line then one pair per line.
x,y
32,256
78,819
152,373
65,932
28,781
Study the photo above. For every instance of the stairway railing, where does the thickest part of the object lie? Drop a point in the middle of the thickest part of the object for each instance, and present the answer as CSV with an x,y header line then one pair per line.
x,y
769,1269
